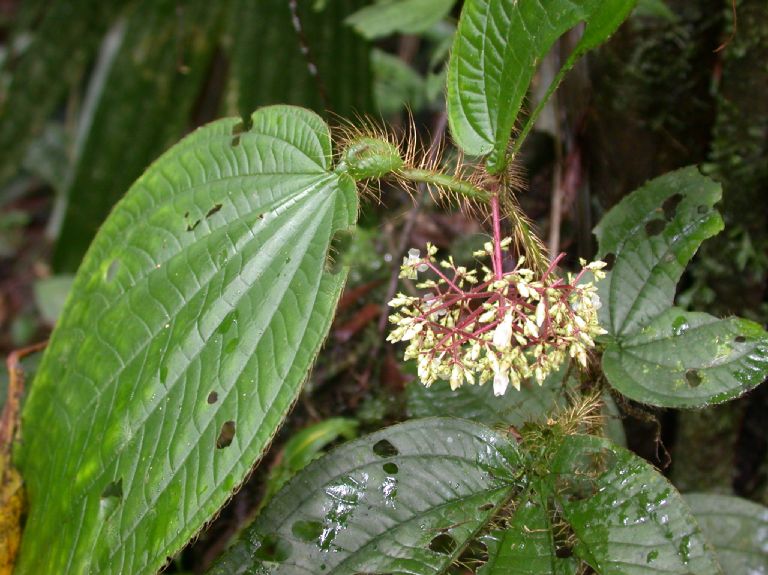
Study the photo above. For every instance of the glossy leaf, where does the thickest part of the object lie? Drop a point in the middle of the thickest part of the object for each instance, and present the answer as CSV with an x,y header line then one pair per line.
x,y
61,46
627,518
341,81
689,359
402,500
193,321
532,403
386,17
498,46
651,235
656,353
737,528
161,49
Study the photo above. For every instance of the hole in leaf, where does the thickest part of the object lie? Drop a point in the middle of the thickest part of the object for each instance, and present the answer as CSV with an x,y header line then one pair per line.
x,y
475,553
670,206
226,435
213,397
112,270
213,210
609,260
340,243
444,544
390,468
655,227
242,126
384,448
739,339
113,489
702,209
693,378
307,530
271,548
486,507
563,552
192,225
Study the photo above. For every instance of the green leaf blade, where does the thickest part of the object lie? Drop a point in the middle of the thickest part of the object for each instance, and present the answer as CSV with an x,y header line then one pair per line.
x,y
405,499
405,16
193,372
497,48
736,527
628,519
689,359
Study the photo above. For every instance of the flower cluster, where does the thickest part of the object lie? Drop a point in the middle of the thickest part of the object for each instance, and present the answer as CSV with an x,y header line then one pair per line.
x,y
503,326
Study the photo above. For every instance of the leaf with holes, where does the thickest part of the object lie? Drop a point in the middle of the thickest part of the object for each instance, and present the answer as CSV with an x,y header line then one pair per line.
x,y
192,323
688,359
737,528
656,353
403,500
498,46
626,517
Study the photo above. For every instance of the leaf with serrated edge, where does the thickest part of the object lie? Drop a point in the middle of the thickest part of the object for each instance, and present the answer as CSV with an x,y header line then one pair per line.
x,y
627,519
403,500
736,528
192,323
498,46
688,359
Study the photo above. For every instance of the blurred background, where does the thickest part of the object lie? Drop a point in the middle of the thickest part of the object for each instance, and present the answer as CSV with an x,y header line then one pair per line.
x,y
92,91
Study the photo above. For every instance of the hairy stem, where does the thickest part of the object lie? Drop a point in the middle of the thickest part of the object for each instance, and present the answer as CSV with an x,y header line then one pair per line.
x,y
446,182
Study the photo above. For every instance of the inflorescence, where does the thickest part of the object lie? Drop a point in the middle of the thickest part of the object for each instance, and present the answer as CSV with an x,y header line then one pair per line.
x,y
506,327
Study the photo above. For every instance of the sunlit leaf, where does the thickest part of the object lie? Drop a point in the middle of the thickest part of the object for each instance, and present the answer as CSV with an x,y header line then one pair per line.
x,y
194,319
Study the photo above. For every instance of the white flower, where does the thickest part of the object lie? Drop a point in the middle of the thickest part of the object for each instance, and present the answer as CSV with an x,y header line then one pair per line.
x,y
502,336
500,382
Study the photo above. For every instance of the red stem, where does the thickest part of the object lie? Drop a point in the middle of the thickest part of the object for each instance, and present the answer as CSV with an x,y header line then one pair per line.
x,y
495,215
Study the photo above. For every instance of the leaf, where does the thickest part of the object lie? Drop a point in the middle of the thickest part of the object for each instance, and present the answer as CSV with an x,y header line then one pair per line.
x,y
396,85
193,320
402,500
495,54
737,528
341,58
50,295
689,359
61,46
526,546
652,234
162,49
406,16
658,354
627,519
304,447
532,403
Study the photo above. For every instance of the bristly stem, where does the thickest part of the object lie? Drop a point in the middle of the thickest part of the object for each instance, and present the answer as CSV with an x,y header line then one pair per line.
x,y
496,217
450,183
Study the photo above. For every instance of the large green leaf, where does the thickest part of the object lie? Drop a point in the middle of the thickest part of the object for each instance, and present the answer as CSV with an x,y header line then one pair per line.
x,y
268,66
651,235
688,359
404,500
61,46
656,353
627,519
498,46
163,50
737,528
386,17
193,320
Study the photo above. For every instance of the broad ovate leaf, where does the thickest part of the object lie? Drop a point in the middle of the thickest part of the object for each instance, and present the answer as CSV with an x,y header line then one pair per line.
x,y
655,353
192,322
626,518
498,46
737,528
688,359
403,500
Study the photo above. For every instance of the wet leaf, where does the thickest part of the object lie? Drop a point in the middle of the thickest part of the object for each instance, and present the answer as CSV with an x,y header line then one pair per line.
x,y
689,359
737,528
497,49
402,500
386,17
655,353
193,321
626,517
